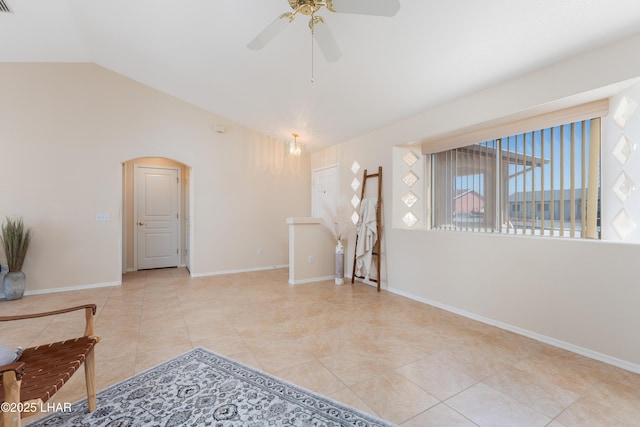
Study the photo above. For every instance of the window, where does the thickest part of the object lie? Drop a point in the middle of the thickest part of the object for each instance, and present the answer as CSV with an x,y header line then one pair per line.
x,y
544,182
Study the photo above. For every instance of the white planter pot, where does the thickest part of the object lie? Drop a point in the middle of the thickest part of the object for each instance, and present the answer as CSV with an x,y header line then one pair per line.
x,y
14,284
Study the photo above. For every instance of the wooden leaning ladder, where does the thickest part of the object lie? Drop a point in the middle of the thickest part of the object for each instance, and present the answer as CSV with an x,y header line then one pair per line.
x,y
376,245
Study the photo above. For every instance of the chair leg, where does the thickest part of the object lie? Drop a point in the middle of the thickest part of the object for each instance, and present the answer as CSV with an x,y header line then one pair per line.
x,y
11,395
90,377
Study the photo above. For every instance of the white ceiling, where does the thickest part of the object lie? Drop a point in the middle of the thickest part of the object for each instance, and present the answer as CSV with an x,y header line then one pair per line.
x,y
431,52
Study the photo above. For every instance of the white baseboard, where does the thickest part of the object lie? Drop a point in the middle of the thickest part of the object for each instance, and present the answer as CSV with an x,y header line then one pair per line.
x,y
529,334
68,288
243,270
311,280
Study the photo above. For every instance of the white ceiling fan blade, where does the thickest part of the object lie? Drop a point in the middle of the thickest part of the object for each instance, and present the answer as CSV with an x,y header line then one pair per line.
x,y
367,7
270,32
326,41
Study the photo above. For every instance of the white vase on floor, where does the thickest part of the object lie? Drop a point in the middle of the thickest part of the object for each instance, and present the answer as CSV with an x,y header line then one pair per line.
x,y
339,263
14,284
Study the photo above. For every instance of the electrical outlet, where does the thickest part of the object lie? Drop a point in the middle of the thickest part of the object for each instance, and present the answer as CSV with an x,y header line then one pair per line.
x,y
102,217
260,251
310,259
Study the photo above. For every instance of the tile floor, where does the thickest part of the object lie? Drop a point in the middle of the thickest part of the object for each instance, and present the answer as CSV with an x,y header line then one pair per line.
x,y
407,362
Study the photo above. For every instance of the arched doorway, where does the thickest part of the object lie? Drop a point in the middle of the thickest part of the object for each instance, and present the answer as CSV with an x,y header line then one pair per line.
x,y
133,226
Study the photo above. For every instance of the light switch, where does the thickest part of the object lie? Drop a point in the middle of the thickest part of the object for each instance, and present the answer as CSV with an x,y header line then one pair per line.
x,y
102,217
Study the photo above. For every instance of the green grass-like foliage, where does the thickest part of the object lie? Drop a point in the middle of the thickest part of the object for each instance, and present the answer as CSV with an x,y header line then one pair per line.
x,y
15,240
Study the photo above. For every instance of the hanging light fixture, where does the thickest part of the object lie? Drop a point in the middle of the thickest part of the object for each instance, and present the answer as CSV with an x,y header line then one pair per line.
x,y
293,148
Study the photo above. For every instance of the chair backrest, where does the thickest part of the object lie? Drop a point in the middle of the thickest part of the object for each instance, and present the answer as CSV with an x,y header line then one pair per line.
x,y
42,370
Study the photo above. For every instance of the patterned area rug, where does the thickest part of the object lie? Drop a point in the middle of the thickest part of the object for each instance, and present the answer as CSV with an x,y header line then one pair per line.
x,y
202,388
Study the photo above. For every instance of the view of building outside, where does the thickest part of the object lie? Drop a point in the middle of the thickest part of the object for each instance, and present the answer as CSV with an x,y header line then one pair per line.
x,y
531,183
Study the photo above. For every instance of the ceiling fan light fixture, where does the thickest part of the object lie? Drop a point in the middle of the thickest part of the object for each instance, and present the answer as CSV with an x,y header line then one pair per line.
x,y
319,29
306,7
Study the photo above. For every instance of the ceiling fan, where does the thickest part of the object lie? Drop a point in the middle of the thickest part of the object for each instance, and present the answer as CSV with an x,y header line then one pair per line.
x,y
319,29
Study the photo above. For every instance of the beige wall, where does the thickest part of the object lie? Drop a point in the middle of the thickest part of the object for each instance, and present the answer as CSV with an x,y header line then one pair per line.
x,y
66,129
309,238
579,294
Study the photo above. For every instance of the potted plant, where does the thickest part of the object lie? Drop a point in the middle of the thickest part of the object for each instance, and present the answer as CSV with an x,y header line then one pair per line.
x,y
15,241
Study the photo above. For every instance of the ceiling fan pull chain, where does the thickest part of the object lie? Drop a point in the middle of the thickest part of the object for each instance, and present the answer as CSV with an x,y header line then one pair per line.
x,y
312,78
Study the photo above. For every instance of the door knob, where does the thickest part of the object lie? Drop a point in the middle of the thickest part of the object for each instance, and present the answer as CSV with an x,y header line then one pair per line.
x,y
141,223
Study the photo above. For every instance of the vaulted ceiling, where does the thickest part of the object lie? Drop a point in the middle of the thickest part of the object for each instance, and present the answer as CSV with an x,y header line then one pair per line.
x,y
430,52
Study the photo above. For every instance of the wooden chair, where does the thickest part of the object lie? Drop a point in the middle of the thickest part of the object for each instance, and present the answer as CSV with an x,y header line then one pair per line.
x,y
41,371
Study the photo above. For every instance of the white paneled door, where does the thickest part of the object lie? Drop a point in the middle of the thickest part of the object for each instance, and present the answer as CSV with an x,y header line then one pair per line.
x,y
325,190
157,201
